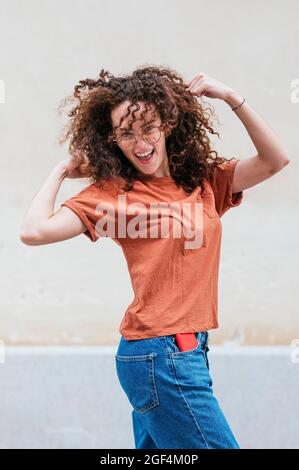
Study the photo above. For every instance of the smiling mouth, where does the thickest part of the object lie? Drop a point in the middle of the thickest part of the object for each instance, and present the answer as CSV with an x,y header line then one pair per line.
x,y
146,159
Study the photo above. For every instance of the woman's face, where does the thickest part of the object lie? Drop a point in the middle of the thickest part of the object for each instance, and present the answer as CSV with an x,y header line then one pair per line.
x,y
157,164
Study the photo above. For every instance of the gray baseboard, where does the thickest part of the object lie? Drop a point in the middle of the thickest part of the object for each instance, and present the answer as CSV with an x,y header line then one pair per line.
x,y
70,397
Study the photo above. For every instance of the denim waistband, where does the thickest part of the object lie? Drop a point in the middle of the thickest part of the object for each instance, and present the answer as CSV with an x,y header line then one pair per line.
x,y
156,344
201,336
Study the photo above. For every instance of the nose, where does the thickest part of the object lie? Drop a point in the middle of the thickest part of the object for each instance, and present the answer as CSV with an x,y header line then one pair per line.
x,y
138,150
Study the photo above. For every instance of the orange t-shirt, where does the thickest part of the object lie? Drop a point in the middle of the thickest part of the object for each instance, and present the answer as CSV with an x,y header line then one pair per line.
x,y
175,287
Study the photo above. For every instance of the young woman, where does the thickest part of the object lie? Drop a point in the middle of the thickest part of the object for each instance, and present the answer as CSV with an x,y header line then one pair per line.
x,y
142,140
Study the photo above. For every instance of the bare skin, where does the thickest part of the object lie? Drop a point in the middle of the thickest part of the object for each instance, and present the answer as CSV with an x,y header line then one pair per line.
x,y
41,225
159,163
271,156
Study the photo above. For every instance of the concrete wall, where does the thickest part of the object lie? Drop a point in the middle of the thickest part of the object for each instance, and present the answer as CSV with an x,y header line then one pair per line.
x,y
65,293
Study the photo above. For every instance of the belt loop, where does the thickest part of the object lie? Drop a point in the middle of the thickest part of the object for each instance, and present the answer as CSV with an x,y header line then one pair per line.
x,y
204,338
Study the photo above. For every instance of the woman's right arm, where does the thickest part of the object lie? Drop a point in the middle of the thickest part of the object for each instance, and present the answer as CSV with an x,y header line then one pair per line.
x,y
41,225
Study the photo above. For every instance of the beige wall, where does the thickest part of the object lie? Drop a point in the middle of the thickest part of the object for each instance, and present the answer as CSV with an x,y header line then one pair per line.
x,y
76,292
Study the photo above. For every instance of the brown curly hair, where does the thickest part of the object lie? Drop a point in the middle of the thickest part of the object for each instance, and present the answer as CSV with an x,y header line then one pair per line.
x,y
185,121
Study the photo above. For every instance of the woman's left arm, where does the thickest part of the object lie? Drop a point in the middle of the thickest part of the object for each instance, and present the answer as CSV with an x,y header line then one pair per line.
x,y
271,156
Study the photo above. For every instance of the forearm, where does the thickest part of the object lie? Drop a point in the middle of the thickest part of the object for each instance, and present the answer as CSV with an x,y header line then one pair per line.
x,y
269,148
42,205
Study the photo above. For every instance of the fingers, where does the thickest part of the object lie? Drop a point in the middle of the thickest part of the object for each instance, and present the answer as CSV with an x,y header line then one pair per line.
x,y
79,157
80,164
85,162
197,79
84,167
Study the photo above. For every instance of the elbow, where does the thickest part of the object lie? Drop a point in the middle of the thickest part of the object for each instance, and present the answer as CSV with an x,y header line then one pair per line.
x,y
284,162
29,238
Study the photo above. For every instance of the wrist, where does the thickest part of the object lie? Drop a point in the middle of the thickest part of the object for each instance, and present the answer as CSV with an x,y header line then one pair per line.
x,y
233,99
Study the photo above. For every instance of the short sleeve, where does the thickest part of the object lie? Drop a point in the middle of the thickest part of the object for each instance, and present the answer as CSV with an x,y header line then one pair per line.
x,y
84,205
222,182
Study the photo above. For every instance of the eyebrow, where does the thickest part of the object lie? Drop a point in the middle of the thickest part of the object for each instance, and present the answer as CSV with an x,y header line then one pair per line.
x,y
144,125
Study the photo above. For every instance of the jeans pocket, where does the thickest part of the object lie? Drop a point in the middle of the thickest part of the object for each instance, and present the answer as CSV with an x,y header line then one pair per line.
x,y
177,351
195,360
191,369
136,375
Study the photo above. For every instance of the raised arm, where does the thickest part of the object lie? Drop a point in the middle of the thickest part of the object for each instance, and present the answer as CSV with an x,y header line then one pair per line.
x,y
271,156
40,224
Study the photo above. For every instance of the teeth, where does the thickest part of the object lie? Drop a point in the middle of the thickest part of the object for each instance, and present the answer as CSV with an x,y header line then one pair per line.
x,y
144,154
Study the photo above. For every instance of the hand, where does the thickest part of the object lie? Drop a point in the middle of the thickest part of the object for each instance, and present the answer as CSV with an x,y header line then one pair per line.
x,y
76,166
203,85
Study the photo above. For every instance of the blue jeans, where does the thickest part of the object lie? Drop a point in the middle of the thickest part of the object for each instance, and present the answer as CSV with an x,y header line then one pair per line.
x,y
171,395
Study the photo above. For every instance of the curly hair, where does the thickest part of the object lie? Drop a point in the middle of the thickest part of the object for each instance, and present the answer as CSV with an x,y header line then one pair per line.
x,y
185,121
